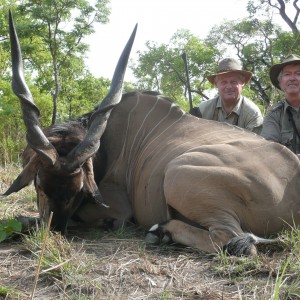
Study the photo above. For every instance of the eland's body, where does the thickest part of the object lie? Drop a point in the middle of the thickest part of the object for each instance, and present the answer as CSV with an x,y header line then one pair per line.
x,y
164,165
197,182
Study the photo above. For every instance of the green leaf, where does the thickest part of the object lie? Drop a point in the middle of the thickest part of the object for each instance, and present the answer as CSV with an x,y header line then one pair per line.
x,y
3,235
7,228
15,225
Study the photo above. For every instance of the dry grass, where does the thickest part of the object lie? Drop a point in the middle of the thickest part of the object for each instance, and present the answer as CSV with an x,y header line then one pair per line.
x,y
92,264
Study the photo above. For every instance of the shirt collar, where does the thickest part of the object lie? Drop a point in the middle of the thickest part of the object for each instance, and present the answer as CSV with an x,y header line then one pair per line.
x,y
286,105
237,109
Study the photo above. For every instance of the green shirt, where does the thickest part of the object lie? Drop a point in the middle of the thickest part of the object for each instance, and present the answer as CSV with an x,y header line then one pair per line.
x,y
278,127
245,114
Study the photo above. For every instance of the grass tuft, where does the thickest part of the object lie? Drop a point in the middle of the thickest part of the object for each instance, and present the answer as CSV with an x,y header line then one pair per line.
x,y
59,259
8,292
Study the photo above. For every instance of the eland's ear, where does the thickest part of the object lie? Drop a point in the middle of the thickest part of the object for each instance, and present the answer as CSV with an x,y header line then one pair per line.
x,y
25,177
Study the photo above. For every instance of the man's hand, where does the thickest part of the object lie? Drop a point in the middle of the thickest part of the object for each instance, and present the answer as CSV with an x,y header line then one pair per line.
x,y
195,111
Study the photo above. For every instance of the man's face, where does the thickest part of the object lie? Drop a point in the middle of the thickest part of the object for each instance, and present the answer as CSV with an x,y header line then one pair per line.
x,y
289,80
230,86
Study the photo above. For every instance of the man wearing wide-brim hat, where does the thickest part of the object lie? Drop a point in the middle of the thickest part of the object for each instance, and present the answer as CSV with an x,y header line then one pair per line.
x,y
282,123
230,105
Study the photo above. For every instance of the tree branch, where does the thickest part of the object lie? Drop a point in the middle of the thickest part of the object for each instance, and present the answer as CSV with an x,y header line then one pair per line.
x,y
285,17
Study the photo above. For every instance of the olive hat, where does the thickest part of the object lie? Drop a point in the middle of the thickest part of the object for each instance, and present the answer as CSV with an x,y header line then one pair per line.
x,y
275,70
229,65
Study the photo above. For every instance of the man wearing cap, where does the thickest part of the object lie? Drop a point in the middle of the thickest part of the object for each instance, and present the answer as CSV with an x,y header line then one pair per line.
x,y
282,122
230,105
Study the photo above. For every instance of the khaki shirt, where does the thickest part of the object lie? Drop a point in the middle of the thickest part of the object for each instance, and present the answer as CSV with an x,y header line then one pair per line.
x,y
277,126
245,114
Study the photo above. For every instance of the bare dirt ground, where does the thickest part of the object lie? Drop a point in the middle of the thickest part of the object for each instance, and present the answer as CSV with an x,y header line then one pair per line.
x,y
120,266
124,268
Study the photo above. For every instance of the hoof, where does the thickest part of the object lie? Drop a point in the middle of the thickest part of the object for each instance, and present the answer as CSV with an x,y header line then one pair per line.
x,y
243,245
156,235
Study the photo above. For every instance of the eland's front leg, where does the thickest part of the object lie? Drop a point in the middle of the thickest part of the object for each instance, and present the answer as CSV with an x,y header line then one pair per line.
x,y
115,215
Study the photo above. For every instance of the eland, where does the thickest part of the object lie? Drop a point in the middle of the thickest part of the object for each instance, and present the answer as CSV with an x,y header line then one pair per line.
x,y
139,157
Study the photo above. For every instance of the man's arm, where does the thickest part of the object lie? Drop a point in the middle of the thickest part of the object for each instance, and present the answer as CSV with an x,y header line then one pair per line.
x,y
255,124
254,120
271,127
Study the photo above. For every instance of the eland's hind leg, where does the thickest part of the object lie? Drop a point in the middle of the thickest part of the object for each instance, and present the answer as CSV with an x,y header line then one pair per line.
x,y
208,202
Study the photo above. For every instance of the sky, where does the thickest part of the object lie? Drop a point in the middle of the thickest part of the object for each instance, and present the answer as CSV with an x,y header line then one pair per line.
x,y
157,21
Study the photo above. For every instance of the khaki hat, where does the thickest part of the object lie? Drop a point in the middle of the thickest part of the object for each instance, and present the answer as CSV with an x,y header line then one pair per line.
x,y
276,69
229,65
